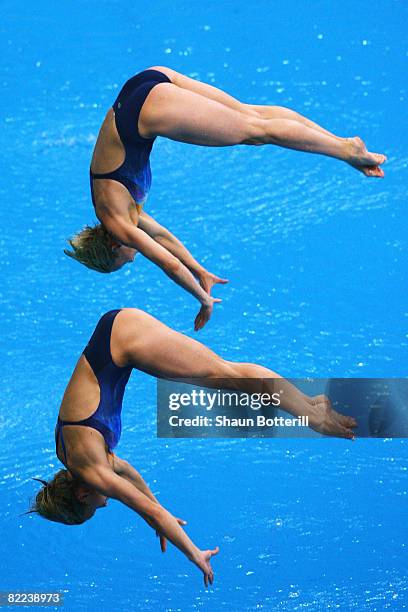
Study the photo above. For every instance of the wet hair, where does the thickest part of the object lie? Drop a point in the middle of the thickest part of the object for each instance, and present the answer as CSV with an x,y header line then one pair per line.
x,y
57,501
92,247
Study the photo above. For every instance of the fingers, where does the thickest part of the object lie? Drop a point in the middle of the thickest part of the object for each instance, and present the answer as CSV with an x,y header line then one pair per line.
x,y
208,577
199,322
163,544
207,570
202,317
163,541
222,281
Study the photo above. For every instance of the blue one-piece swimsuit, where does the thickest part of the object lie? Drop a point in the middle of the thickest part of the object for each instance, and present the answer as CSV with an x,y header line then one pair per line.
x,y
112,382
134,173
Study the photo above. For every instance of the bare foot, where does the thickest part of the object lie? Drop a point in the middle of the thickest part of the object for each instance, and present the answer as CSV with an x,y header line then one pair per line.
x,y
364,161
327,421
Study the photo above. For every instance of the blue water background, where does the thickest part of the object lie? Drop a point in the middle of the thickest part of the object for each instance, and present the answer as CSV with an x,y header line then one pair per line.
x,y
316,256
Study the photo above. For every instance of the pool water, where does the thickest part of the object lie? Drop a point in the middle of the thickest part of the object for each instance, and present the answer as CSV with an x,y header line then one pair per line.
x,y
316,257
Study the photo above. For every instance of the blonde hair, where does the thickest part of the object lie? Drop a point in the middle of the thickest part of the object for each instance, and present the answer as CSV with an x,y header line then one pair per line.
x,y
92,247
57,501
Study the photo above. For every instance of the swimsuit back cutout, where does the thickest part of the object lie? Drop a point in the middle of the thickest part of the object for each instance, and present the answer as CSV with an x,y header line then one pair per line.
x,y
112,381
134,173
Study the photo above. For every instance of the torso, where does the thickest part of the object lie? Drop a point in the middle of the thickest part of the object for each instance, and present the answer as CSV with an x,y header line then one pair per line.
x,y
121,156
109,152
108,155
81,399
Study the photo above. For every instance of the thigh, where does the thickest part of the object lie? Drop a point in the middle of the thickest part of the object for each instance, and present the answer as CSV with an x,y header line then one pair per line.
x,y
156,349
206,90
186,116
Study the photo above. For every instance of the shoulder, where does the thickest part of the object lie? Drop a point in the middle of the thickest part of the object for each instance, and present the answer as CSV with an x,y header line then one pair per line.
x,y
86,451
112,199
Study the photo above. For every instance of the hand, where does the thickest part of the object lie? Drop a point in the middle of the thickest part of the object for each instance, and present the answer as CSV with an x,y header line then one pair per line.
x,y
327,421
163,540
208,280
205,313
203,562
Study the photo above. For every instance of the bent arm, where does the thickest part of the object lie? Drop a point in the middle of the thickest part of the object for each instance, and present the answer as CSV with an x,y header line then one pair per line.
x,y
106,482
164,237
128,234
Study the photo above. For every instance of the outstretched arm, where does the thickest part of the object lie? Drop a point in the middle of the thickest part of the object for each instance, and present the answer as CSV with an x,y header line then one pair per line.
x,y
125,232
127,471
106,482
164,237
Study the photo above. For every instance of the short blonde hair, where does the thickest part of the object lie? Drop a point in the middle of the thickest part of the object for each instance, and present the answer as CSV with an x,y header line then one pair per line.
x,y
57,501
92,247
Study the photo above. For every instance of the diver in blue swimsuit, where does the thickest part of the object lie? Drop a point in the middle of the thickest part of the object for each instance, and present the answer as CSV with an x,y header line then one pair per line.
x,y
162,102
89,421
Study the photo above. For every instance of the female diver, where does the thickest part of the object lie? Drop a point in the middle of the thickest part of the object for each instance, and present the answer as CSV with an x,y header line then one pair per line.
x,y
162,102
89,421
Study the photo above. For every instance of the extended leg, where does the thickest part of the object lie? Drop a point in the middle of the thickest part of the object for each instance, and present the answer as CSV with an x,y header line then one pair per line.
x,y
152,347
214,93
184,115
281,112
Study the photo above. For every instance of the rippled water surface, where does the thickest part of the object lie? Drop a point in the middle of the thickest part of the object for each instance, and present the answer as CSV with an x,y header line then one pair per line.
x,y
316,256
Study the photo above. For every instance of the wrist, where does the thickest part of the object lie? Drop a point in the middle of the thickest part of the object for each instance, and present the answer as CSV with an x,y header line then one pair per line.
x,y
195,555
199,271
